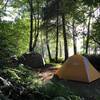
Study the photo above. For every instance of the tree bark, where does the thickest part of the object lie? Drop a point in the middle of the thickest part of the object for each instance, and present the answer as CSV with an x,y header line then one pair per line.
x,y
42,46
47,42
36,29
95,49
83,37
31,25
74,39
60,46
57,34
65,37
88,36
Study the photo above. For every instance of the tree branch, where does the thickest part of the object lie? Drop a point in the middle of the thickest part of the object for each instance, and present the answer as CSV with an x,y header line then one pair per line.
x,y
95,40
5,5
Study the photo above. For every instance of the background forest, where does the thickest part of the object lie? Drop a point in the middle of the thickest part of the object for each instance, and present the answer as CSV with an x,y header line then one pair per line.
x,y
53,30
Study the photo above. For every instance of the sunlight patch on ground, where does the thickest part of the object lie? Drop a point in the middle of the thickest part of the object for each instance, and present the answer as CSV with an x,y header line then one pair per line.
x,y
58,65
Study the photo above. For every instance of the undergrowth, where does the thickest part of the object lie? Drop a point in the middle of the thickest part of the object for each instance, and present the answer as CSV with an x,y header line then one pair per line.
x,y
22,75
27,85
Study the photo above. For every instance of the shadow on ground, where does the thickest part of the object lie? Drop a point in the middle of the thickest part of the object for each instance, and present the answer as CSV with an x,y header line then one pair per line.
x,y
82,89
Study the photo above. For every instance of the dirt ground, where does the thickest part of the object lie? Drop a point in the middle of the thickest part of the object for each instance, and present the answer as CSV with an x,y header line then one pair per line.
x,y
47,73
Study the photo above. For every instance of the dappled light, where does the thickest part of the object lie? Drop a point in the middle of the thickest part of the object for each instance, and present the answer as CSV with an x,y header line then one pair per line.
x,y
49,49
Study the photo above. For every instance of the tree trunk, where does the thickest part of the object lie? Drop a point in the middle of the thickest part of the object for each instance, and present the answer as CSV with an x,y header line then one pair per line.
x,y
60,49
74,39
88,36
31,25
95,49
47,42
65,37
83,38
42,49
36,30
35,27
57,34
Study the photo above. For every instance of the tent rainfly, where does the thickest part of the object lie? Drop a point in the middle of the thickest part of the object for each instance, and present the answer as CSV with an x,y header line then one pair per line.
x,y
78,68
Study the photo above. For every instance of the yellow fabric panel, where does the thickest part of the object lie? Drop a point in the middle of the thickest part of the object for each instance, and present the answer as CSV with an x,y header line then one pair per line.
x,y
93,73
73,69
79,69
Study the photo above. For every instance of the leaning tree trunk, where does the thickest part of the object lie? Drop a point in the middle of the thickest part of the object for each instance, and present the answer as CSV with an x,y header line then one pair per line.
x,y
88,36
74,39
65,37
31,25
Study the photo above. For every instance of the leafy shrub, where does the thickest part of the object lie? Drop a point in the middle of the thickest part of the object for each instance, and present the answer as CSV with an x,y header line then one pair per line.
x,y
23,75
55,90
74,97
11,38
27,83
59,98
12,74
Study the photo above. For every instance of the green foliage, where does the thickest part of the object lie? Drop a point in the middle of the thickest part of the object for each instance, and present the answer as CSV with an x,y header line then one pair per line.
x,y
13,38
23,75
74,97
12,74
59,98
55,90
21,28
34,87
96,30
6,39
91,2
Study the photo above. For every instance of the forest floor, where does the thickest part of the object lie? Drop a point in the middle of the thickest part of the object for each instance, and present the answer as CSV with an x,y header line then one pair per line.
x,y
46,73
88,90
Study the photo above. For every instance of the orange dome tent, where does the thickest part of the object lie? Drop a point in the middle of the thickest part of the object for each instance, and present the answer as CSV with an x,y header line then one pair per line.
x,y
78,68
